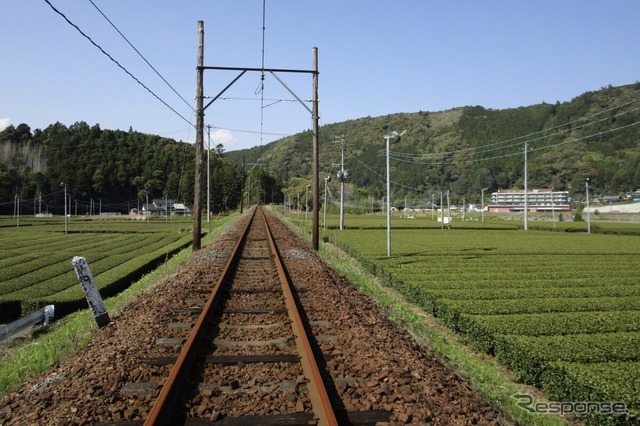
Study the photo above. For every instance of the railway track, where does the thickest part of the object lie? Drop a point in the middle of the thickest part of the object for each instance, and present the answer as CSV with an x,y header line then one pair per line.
x,y
250,327
249,362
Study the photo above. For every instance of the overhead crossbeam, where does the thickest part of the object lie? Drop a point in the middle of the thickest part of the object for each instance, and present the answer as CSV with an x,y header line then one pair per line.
x,y
200,68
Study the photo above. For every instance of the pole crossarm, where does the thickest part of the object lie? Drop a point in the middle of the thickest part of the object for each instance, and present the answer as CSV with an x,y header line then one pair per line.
x,y
271,70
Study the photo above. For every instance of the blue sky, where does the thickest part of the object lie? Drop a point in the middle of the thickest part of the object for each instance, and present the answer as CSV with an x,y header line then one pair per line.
x,y
375,58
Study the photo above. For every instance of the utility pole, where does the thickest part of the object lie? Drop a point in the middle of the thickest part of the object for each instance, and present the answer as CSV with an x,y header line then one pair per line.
x,y
17,210
316,186
441,212
314,115
342,176
306,205
242,187
588,209
324,205
448,211
197,219
526,190
482,203
208,177
65,206
553,209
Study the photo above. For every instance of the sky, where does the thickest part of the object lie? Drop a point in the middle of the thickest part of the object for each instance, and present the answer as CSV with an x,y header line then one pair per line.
x,y
375,57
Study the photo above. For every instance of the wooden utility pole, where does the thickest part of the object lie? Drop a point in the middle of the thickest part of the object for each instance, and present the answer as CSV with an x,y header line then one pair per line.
x,y
197,214
314,169
242,187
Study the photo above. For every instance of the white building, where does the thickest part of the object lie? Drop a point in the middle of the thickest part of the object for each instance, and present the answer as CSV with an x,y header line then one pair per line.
x,y
538,200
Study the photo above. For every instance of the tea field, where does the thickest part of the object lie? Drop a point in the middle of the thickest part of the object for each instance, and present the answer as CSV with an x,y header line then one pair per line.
x,y
560,309
35,258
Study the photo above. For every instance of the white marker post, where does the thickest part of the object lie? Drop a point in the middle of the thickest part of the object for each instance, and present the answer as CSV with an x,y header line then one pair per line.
x,y
91,291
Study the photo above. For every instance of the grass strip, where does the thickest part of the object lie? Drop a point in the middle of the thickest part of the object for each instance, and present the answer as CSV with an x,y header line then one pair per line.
x,y
73,332
482,371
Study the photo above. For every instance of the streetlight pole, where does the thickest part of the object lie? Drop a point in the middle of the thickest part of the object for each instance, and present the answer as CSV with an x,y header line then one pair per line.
x,y
393,137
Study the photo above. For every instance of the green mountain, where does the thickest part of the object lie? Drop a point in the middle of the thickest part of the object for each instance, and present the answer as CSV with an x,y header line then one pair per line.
x,y
595,135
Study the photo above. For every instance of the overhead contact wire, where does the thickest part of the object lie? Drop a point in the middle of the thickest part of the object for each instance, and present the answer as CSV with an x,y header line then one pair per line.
x,y
116,62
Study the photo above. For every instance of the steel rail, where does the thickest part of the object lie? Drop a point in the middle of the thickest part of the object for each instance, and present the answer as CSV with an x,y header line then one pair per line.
x,y
164,405
320,404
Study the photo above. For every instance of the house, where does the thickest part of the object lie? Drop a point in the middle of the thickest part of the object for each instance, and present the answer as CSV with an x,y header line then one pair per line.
x,y
181,209
164,206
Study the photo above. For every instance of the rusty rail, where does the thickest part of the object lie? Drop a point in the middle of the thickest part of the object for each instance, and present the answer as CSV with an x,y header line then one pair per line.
x,y
320,403
165,404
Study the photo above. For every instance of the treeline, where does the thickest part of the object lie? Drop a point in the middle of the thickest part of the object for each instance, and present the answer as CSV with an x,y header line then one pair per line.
x,y
115,169
596,136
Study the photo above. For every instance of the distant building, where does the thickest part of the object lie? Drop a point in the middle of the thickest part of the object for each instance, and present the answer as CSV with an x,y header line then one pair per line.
x,y
181,209
538,200
162,207
634,195
608,199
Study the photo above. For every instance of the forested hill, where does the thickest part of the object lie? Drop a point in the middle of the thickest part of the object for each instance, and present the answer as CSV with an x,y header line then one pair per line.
x,y
114,168
595,135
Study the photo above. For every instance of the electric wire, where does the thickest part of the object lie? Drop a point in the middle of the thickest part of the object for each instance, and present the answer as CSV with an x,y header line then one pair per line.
x,y
264,28
140,54
477,160
355,157
225,98
252,131
485,148
404,156
116,62
517,153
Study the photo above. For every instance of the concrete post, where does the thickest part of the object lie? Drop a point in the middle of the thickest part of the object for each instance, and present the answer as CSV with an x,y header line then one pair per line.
x,y
91,291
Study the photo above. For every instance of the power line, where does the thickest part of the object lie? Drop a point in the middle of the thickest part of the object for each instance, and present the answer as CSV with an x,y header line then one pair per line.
x,y
487,148
251,131
477,160
140,54
355,157
115,61
593,135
